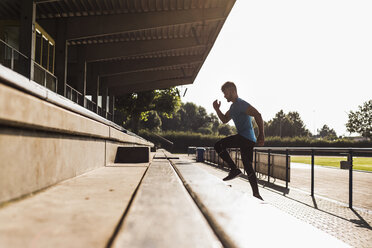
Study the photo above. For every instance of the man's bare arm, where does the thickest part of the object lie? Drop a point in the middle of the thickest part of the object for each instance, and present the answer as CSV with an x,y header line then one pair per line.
x,y
258,118
225,118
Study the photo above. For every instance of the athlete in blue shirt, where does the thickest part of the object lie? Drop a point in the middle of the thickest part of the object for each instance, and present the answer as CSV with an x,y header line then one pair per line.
x,y
241,112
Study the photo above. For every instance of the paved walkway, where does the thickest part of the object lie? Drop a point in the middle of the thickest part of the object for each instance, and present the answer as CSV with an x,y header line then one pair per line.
x,y
352,226
333,183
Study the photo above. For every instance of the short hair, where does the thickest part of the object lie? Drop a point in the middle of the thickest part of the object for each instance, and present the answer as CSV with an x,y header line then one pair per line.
x,y
228,85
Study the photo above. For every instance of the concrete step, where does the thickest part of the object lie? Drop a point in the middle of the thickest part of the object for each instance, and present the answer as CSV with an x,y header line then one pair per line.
x,y
240,220
164,154
164,215
79,212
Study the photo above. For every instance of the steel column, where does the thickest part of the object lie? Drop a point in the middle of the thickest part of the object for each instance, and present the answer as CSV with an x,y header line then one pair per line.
x,y
268,165
350,159
286,168
312,172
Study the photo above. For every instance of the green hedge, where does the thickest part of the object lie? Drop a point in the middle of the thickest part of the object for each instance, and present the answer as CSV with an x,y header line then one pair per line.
x,y
182,140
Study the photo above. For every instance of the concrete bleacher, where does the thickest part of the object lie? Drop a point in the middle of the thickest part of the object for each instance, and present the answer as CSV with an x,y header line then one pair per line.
x,y
45,138
168,202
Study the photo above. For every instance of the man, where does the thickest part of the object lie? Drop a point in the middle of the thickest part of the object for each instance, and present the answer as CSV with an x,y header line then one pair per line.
x,y
241,112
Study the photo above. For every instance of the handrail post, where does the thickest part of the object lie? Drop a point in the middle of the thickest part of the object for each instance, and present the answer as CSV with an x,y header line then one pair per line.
x,y
214,156
12,59
45,76
351,179
268,165
286,168
312,172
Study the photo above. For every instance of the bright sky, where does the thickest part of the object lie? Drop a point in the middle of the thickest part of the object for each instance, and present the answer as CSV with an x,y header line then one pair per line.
x,y
313,57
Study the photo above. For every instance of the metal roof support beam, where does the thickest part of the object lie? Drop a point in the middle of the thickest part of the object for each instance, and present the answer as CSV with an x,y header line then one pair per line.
x,y
134,78
111,106
106,51
27,35
92,26
82,72
61,57
162,84
104,91
93,82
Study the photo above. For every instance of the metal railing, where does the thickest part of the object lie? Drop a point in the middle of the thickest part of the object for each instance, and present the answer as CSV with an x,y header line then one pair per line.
x,y
109,116
18,62
13,59
99,111
44,77
74,95
212,157
90,105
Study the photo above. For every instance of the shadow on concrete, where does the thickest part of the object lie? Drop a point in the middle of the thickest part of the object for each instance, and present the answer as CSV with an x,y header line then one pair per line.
x,y
281,190
278,188
314,202
360,222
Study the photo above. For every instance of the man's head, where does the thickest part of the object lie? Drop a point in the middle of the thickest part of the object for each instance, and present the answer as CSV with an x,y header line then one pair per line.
x,y
229,91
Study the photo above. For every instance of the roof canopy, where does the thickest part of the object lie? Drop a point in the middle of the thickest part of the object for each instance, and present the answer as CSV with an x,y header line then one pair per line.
x,y
134,45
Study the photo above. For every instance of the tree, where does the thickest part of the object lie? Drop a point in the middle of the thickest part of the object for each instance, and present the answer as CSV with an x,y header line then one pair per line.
x,y
286,125
215,123
226,130
327,133
137,106
193,117
152,122
361,121
173,123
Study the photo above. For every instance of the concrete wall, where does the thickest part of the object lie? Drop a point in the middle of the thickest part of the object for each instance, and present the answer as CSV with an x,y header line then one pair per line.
x,y
42,143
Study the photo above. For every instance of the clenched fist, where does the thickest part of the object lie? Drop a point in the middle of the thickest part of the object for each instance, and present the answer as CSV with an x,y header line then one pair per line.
x,y
216,105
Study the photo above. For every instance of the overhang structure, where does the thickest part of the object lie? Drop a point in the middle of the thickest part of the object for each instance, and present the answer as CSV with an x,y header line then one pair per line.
x,y
102,49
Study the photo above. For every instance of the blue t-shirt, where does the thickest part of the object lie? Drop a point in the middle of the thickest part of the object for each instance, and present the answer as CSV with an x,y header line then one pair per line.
x,y
243,122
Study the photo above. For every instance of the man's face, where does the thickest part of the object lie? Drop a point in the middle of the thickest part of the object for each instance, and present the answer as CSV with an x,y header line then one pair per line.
x,y
228,94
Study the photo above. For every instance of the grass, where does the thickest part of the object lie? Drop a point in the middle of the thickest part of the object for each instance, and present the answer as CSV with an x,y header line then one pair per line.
x,y
358,162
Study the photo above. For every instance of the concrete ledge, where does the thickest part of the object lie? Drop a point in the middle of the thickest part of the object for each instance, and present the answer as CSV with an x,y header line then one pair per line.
x,y
27,104
164,215
20,109
32,160
32,88
42,143
80,212
241,220
120,136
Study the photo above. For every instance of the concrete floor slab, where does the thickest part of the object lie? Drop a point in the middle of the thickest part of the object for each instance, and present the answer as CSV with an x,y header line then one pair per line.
x,y
334,183
80,212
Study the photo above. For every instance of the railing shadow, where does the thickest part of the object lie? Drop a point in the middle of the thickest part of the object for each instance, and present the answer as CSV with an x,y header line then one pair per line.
x,y
282,190
361,222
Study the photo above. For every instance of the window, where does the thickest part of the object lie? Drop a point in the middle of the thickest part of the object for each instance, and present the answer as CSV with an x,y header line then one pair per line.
x,y
44,49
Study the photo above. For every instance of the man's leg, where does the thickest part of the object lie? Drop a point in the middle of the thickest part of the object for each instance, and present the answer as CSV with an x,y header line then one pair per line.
x,y
221,148
247,157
